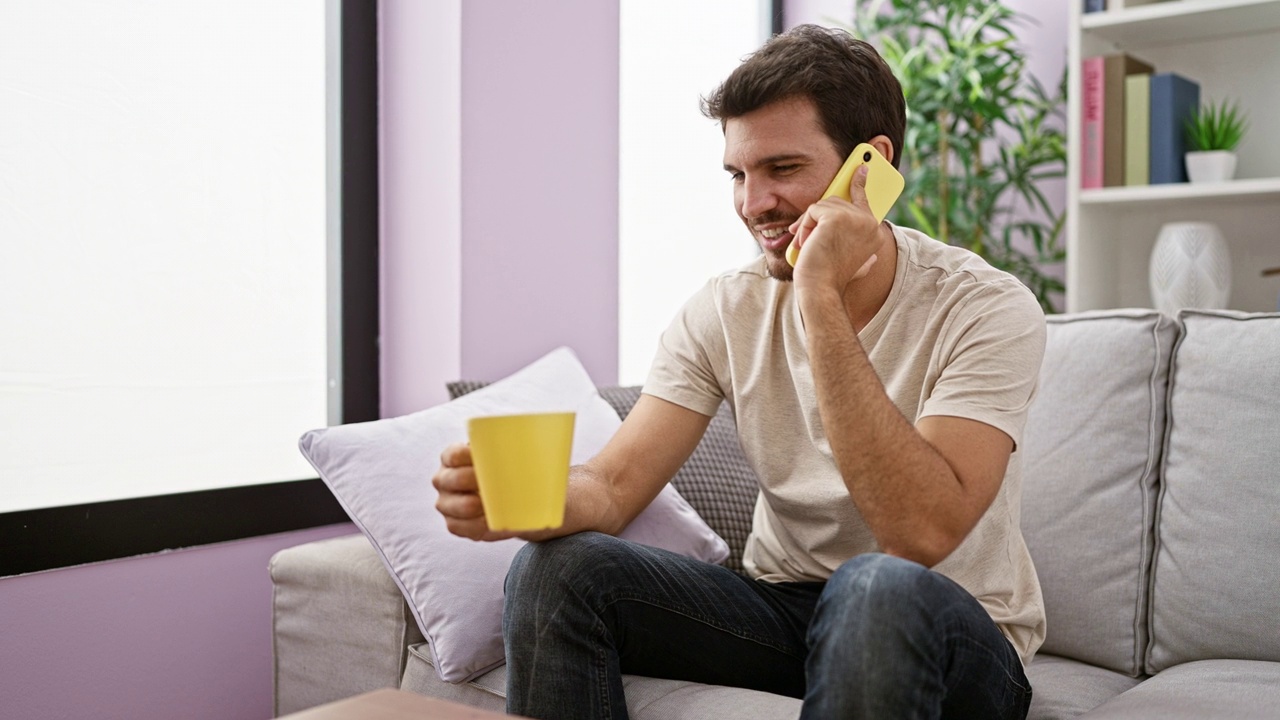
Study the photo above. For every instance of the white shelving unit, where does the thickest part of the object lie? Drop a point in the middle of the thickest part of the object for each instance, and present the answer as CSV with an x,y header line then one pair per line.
x,y
1232,49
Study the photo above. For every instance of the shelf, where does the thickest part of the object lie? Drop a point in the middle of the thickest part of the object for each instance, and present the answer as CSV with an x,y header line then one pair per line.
x,y
1180,21
1262,190
1230,47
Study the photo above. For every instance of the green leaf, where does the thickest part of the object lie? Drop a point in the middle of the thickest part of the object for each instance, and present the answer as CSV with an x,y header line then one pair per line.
x,y
966,80
1218,126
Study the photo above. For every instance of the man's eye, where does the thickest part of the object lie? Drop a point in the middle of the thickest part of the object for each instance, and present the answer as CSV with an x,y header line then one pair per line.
x,y
736,176
784,168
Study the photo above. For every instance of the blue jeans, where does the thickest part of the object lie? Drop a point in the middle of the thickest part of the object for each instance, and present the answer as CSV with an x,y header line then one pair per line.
x,y
883,638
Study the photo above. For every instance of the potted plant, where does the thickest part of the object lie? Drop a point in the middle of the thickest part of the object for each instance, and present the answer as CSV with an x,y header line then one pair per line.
x,y
982,133
1213,132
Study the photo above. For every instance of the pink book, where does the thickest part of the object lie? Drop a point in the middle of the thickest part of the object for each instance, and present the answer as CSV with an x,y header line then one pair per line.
x,y
1091,128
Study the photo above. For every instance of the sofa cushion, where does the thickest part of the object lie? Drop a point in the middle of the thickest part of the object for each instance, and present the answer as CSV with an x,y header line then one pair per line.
x,y
487,691
1090,458
647,698
1235,689
1216,578
381,474
339,623
716,479
1063,688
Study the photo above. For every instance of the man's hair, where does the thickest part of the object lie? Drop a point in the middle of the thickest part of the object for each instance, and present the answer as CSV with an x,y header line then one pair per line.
x,y
855,92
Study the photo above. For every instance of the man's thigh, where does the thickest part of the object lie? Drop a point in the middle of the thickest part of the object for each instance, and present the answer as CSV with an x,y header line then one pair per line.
x,y
673,617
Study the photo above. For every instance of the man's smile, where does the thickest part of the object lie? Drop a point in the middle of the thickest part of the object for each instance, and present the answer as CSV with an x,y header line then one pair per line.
x,y
774,237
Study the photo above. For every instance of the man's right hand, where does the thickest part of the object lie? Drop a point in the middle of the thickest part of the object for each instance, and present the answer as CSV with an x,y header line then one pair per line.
x,y
605,494
459,500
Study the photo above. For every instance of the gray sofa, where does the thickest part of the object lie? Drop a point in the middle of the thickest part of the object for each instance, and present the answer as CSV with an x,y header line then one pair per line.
x,y
1151,506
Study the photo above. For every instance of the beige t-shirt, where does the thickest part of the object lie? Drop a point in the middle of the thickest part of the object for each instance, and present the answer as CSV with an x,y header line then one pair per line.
x,y
955,337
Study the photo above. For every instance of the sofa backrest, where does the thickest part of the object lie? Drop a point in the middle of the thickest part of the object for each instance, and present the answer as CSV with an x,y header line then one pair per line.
x,y
1216,581
1090,455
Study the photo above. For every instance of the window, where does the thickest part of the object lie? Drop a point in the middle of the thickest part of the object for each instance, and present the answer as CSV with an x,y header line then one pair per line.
x,y
188,224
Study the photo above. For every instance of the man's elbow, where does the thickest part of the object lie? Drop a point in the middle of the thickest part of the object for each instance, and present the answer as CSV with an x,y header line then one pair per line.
x,y
927,549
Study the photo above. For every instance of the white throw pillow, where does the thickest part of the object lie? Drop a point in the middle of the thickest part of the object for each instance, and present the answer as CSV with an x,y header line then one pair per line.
x,y
381,474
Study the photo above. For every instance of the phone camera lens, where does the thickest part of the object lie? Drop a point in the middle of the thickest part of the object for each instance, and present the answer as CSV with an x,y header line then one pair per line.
x,y
866,156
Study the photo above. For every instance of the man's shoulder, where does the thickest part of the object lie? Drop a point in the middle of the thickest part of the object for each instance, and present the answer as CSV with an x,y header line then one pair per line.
x,y
747,283
953,270
748,276
726,299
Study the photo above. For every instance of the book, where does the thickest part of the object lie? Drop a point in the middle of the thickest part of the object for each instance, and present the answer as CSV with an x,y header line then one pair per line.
x,y
1102,121
1173,99
1095,5
1137,129
1091,123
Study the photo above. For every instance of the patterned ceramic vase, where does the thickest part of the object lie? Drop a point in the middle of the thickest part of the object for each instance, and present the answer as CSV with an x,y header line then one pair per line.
x,y
1190,268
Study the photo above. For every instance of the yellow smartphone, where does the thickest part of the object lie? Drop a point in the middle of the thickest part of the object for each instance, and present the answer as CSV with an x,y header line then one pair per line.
x,y
884,185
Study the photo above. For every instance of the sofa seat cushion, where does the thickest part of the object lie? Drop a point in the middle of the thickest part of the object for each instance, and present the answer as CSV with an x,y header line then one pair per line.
x,y
1235,689
1062,688
487,691
647,698
1215,577
1090,458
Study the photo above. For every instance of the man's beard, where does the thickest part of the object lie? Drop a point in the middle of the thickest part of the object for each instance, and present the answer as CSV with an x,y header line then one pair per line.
x,y
778,267
775,262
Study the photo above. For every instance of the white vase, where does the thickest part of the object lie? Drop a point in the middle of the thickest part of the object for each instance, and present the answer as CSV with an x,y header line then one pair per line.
x,y
1210,166
1190,268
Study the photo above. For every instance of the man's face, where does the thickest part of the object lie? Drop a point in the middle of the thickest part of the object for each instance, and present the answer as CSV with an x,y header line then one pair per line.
x,y
781,162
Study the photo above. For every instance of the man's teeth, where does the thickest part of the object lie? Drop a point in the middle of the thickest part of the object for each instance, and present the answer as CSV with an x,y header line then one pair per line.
x,y
773,234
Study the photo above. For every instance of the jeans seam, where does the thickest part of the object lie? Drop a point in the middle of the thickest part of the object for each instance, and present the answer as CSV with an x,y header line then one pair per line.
x,y
612,600
1000,662
602,677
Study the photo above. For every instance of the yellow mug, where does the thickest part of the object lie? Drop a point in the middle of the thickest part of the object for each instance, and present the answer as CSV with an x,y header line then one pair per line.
x,y
522,467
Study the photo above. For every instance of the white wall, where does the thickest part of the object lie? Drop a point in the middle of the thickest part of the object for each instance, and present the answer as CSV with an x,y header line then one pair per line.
x,y
677,224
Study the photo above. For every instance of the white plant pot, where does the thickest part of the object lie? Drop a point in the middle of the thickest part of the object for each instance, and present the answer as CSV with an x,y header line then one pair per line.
x,y
1190,268
1211,166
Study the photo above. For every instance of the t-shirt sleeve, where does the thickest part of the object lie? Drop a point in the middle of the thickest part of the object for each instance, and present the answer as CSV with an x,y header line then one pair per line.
x,y
992,351
690,353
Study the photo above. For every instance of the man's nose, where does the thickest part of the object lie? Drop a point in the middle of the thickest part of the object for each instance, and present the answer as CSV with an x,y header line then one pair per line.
x,y
758,197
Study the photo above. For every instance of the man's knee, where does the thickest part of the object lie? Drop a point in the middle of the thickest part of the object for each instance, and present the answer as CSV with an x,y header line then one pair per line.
x,y
572,561
878,587
877,572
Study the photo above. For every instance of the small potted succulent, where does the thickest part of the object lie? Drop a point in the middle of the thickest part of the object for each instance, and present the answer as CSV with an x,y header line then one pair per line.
x,y
1213,132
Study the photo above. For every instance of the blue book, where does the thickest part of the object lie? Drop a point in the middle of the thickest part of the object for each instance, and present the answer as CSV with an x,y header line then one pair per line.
x,y
1173,100
1095,5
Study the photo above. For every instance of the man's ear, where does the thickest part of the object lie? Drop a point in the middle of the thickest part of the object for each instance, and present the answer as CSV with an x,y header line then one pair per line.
x,y
884,145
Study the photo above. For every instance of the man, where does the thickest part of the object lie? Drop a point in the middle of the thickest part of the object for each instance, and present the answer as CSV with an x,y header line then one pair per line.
x,y
879,388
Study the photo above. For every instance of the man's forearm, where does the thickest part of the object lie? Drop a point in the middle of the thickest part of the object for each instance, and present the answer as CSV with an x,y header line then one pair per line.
x,y
588,506
901,485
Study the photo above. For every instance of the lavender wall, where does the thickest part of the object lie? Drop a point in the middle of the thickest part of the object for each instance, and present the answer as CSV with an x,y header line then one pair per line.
x,y
500,202
184,634
539,184
421,130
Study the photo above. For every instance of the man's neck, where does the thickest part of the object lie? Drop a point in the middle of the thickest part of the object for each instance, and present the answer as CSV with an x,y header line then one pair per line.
x,y
864,298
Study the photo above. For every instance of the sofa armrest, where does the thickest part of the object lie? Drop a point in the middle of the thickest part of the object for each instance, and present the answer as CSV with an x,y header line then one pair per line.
x,y
340,626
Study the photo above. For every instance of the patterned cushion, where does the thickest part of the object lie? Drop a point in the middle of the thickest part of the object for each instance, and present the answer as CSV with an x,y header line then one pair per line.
x,y
716,480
